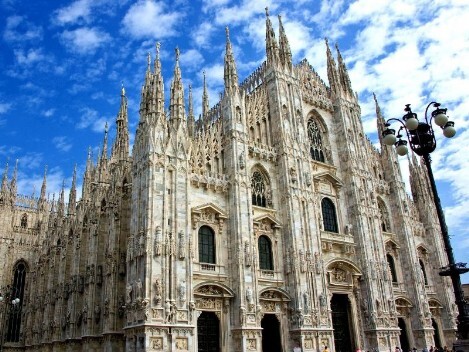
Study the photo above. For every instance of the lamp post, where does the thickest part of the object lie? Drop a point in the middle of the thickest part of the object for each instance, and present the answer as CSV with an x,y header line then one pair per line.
x,y
9,302
421,138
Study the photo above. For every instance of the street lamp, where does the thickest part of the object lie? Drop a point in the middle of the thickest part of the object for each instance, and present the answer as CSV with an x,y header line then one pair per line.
x,y
421,137
8,303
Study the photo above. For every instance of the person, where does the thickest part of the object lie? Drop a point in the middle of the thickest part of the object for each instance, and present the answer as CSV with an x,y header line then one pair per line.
x,y
325,349
397,349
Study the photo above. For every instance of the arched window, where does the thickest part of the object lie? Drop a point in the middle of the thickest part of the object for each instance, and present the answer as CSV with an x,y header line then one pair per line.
x,y
258,190
206,245
385,225
424,273
392,267
265,253
315,141
24,221
14,315
328,215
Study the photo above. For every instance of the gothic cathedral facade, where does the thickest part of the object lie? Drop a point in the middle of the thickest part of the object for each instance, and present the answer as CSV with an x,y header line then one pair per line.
x,y
269,224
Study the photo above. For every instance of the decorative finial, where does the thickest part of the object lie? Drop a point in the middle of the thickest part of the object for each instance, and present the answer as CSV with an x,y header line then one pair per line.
x,y
106,128
148,59
267,11
158,45
177,53
122,89
227,31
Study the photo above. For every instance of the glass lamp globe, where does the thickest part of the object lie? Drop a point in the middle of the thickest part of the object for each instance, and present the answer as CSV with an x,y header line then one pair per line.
x,y
388,137
1,298
440,119
412,123
449,130
401,148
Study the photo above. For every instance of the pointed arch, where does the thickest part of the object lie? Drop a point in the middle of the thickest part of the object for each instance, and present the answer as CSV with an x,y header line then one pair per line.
x,y
384,215
14,316
317,137
260,187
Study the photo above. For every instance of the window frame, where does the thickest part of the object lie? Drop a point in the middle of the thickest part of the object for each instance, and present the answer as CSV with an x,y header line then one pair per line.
x,y
207,251
265,253
329,216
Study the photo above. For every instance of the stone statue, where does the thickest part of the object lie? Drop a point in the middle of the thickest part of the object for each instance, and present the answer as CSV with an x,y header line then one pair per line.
x,y
128,291
138,288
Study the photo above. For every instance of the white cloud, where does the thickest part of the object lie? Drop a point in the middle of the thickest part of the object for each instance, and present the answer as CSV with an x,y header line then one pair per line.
x,y
49,112
77,11
84,40
31,160
62,143
90,118
29,57
202,34
4,107
191,60
148,18
18,29
244,12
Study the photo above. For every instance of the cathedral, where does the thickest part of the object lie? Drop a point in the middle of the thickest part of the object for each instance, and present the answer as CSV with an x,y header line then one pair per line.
x,y
270,223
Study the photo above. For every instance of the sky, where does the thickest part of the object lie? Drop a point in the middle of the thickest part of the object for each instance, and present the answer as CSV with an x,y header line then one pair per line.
x,y
62,64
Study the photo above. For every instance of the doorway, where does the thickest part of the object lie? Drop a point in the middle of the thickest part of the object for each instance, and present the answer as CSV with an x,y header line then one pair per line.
x,y
403,337
271,341
340,307
208,332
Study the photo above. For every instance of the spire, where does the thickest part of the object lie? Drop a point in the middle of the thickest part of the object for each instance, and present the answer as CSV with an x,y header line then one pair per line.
x,y
284,50
379,120
388,154
230,72
42,197
343,74
89,162
205,105
87,179
104,150
144,102
121,145
72,197
13,188
271,45
331,70
177,106
61,202
191,119
157,91
5,180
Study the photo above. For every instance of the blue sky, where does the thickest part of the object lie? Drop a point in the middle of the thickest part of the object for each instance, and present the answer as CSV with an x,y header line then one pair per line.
x,y
62,64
